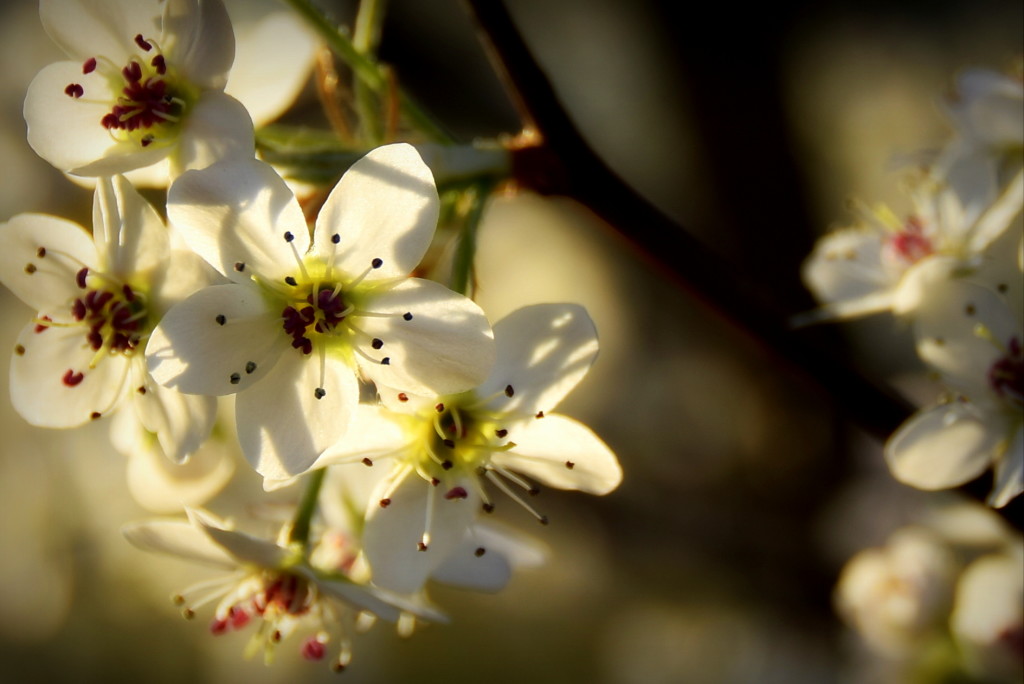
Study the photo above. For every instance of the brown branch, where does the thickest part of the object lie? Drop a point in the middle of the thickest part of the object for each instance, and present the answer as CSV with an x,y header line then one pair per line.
x,y
560,161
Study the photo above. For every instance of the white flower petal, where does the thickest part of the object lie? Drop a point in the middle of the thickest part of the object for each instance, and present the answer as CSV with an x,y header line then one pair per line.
x,y
177,538
987,614
1009,472
562,453
90,28
298,410
161,486
941,447
371,435
193,352
52,384
273,59
199,40
130,237
999,216
47,283
182,422
875,302
235,214
243,547
217,129
382,603
544,351
404,402
445,347
67,132
846,264
473,565
946,331
384,207
917,287
392,534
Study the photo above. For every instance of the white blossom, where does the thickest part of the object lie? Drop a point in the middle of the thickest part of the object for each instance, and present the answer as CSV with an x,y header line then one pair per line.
x,y
445,449
988,615
881,264
302,317
971,335
98,298
897,596
145,81
270,582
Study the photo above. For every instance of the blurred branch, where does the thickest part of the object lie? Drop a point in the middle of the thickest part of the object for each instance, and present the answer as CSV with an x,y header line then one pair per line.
x,y
552,157
556,159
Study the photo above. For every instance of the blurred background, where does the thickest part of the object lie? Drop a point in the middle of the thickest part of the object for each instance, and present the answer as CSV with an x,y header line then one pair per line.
x,y
745,489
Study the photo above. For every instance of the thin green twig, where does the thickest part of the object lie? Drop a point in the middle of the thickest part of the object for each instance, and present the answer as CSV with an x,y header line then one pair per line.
x,y
366,69
307,507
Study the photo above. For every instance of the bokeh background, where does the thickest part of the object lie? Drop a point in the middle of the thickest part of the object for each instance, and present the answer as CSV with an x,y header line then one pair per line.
x,y
745,488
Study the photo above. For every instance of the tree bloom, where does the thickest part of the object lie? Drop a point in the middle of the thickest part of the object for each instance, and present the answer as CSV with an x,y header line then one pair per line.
x,y
879,265
302,317
988,615
897,596
145,81
444,448
272,583
98,299
483,560
971,335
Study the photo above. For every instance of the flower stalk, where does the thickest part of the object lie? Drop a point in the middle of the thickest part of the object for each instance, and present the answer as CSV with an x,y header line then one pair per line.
x,y
299,533
366,69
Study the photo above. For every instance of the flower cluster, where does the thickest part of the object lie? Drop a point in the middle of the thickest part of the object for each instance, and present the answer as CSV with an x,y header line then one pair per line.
x,y
955,575
941,600
330,339
953,270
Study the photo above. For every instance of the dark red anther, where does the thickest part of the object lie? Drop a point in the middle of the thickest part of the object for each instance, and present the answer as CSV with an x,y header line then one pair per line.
x,y
456,493
143,43
218,627
95,300
71,378
81,276
132,73
1006,375
129,293
312,649
40,327
89,65
78,310
74,90
160,64
238,617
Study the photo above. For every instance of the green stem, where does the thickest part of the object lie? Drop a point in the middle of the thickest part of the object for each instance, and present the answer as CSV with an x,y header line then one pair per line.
x,y
462,263
369,19
366,69
365,40
306,509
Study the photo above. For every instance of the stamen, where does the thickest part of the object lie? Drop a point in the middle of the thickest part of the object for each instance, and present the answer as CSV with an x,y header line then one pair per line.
x,y
532,490
141,42
71,378
424,542
493,477
89,65
74,90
